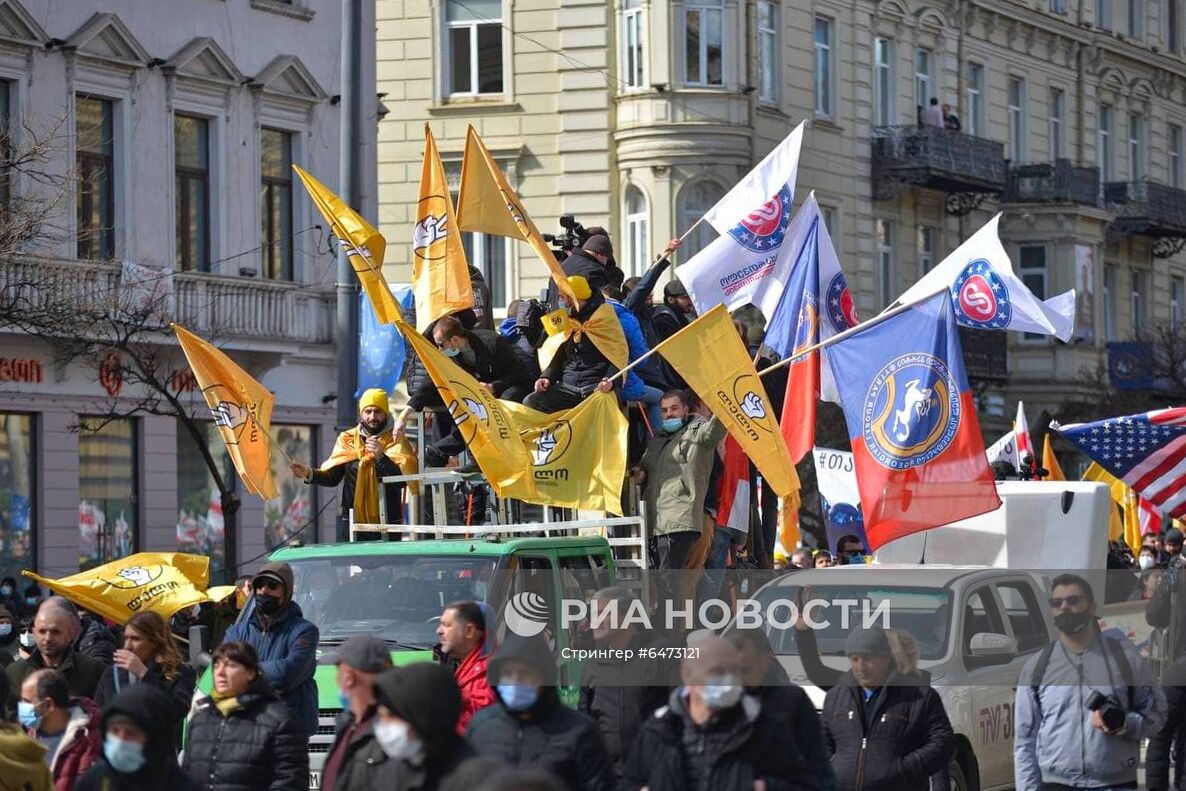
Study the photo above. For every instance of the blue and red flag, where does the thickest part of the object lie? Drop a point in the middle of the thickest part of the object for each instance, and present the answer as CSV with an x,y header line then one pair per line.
x,y
915,438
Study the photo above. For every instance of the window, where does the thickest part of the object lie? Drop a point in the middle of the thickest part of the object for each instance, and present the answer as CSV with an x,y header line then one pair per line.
x,y
276,203
922,77
1175,146
1136,146
883,82
489,255
975,125
823,66
94,130
1058,6
637,221
1058,114
1139,300
886,276
1176,286
633,73
108,489
191,166
1173,34
16,494
285,516
703,49
925,244
1103,14
200,523
1025,616
981,616
1033,274
1017,151
1104,143
1109,302
768,70
1136,18
474,39
828,215
694,200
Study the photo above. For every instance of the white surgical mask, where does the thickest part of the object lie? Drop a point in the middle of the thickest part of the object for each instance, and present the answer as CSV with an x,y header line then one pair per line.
x,y
397,742
722,692
1146,562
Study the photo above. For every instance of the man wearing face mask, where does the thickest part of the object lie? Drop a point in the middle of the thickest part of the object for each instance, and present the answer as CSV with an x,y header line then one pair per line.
x,y
712,736
285,641
883,730
417,745
531,727
360,458
348,764
1084,703
67,726
138,754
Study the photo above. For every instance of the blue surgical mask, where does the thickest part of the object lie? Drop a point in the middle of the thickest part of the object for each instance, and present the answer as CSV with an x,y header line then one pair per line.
x,y
5,629
5,590
31,601
673,424
125,757
518,697
450,351
27,716
343,700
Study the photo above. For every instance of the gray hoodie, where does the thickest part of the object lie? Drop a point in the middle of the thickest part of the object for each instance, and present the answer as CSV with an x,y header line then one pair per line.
x,y
1054,739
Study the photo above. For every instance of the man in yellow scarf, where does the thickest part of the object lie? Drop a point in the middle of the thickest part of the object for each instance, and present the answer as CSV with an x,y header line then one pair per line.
x,y
362,456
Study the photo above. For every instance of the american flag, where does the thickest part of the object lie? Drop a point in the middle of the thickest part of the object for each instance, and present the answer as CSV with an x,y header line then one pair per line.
x,y
1146,451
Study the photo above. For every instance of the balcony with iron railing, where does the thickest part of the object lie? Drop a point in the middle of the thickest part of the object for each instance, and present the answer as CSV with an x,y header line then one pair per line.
x,y
939,159
1147,208
223,306
1060,181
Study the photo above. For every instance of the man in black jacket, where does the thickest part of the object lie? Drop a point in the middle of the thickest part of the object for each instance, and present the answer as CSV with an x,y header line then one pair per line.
x,y
359,661
592,261
712,736
531,727
883,732
55,629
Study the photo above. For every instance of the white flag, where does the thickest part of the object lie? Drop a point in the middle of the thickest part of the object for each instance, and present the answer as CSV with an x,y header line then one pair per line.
x,y
986,293
1004,449
778,170
1021,429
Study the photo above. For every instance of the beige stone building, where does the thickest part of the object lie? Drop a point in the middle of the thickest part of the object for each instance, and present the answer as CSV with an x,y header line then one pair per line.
x,y
638,114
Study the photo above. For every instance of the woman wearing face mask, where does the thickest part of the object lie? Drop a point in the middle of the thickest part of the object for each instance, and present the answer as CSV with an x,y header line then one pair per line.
x,y
10,597
8,637
243,737
138,749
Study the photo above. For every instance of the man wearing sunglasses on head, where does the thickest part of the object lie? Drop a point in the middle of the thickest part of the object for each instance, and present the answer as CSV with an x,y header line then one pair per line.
x,y
1084,703
285,641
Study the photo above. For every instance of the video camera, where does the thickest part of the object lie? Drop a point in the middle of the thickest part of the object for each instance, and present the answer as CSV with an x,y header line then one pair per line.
x,y
574,236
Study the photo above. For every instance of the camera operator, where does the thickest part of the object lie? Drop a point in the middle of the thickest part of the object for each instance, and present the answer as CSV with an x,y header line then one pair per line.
x,y
1084,703
592,262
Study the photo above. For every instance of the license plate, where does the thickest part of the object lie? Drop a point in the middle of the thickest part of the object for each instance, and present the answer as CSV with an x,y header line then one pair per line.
x,y
314,781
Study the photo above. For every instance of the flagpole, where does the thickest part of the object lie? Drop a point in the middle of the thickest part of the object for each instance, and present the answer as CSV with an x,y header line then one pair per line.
x,y
889,313
273,442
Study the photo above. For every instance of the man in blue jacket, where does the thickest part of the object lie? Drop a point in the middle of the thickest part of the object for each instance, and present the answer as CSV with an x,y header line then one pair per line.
x,y
285,641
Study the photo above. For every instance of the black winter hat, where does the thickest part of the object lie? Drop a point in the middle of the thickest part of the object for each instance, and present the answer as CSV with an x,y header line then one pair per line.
x,y
533,651
425,695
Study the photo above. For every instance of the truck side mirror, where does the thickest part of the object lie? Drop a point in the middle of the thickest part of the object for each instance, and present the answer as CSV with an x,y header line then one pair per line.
x,y
199,647
997,648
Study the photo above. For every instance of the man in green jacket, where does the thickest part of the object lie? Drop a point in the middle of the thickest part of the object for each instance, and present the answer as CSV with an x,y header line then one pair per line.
x,y
674,473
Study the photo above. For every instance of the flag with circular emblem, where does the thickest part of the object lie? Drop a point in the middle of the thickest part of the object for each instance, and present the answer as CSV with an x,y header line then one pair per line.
x,y
440,274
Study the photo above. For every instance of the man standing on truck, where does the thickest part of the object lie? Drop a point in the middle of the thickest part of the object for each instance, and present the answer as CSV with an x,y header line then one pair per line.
x,y
464,650
1084,703
361,457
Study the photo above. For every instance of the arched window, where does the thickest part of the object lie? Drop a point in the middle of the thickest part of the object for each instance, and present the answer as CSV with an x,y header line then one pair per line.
x,y
694,200
637,215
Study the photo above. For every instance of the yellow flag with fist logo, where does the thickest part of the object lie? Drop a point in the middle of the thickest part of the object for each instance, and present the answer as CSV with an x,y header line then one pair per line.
x,y
440,274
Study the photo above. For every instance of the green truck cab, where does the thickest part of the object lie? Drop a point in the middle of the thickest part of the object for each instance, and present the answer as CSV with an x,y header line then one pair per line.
x,y
397,590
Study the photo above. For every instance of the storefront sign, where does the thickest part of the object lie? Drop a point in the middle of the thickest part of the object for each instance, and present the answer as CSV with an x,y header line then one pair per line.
x,y
21,369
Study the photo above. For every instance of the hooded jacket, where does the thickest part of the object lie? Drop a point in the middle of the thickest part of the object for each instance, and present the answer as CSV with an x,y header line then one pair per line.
x,y
256,746
678,467
1054,740
82,673
903,740
287,648
81,745
548,735
22,761
733,749
148,707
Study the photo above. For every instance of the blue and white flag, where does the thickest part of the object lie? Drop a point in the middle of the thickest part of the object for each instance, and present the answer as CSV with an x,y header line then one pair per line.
x,y
381,349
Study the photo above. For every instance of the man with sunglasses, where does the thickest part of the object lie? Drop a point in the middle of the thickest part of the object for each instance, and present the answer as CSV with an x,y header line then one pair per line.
x,y
285,641
1083,704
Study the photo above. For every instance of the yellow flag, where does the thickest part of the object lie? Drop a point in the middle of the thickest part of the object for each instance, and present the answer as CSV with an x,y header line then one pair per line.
x,y
1119,492
578,455
710,356
486,425
161,582
603,328
486,203
363,244
1050,462
1132,522
241,407
440,274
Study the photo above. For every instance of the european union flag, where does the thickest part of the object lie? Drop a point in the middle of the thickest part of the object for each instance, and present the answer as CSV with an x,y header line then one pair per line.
x,y
381,349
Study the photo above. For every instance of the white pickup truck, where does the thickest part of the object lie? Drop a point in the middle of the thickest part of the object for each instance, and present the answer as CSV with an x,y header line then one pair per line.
x,y
976,626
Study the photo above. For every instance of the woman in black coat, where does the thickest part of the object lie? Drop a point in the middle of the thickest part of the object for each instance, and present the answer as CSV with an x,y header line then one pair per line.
x,y
243,737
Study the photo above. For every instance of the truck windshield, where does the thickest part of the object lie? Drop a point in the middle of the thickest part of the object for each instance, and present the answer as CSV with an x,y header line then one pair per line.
x,y
397,597
923,612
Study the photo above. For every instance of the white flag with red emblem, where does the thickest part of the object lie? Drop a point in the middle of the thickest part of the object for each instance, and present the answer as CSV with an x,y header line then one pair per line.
x,y
988,296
